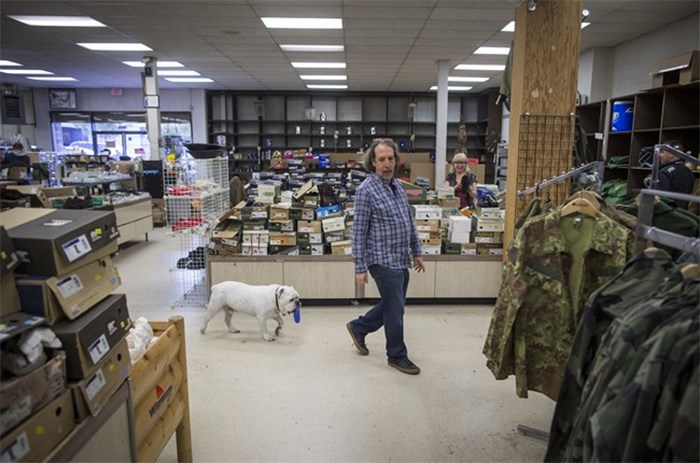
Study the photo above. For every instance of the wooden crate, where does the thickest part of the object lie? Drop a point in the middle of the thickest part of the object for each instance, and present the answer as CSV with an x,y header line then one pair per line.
x,y
160,394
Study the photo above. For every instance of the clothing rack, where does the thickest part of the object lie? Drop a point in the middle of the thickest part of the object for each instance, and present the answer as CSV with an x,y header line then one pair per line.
x,y
645,230
598,165
676,152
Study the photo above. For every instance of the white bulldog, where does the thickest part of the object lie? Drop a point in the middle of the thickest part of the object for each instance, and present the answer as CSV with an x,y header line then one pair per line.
x,y
262,302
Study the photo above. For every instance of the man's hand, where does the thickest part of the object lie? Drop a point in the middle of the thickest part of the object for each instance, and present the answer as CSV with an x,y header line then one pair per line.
x,y
361,278
418,264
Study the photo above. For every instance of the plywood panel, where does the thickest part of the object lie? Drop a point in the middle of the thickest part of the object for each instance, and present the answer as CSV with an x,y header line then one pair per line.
x,y
252,273
420,284
321,280
468,279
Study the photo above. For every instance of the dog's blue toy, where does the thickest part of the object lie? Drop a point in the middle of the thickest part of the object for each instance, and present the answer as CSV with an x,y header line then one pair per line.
x,y
297,315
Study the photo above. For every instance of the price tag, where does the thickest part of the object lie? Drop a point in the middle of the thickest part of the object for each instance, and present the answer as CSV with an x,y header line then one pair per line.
x,y
70,285
95,384
77,248
15,450
98,349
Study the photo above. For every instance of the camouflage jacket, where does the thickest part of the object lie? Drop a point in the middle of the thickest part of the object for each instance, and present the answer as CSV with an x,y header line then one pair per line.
x,y
544,286
641,277
632,399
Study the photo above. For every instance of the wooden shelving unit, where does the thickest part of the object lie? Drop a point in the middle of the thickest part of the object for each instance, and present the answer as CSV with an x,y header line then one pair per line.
x,y
660,114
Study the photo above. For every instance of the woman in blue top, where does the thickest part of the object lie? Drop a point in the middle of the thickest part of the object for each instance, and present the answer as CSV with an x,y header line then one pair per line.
x,y
384,240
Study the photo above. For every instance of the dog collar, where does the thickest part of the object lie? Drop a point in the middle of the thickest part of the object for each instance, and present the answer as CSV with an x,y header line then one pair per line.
x,y
277,300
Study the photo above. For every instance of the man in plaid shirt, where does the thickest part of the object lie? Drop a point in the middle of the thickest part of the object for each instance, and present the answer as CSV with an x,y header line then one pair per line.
x,y
383,240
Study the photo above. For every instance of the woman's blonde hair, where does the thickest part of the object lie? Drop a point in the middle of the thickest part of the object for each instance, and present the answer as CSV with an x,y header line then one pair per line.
x,y
459,157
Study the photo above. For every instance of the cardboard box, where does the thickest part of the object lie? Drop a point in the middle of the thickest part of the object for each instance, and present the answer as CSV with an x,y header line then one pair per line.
x,y
56,298
341,248
490,225
267,193
253,250
431,250
308,213
255,225
9,296
430,237
317,249
283,250
256,238
468,249
35,194
88,339
34,439
488,237
93,392
64,240
228,229
15,217
458,236
24,395
16,323
316,238
446,192
448,247
328,211
61,192
283,239
679,69
333,224
254,213
279,212
449,203
281,225
491,213
489,249
460,224
306,226
332,237
421,212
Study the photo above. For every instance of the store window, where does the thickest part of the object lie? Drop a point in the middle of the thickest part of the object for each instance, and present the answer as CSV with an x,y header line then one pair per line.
x,y
122,135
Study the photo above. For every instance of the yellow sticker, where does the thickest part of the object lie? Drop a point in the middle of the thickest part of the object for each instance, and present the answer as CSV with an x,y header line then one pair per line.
x,y
98,231
98,277
122,323
4,255
111,367
40,430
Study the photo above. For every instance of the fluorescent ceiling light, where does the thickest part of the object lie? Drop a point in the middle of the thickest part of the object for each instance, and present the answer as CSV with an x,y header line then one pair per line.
x,y
53,79
302,23
28,72
115,46
467,79
312,77
453,87
188,79
326,86
161,64
321,48
480,67
4,62
492,51
319,65
584,25
57,21
510,27
178,73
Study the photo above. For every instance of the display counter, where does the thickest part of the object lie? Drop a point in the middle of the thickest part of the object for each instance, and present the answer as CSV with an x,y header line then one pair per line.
x,y
134,218
333,277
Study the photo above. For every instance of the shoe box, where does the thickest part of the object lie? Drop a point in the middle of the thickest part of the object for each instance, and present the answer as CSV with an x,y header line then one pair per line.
x,y
60,241
70,295
90,337
9,298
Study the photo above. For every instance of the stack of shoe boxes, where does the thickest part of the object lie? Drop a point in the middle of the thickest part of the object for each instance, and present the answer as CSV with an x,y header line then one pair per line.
x,y
63,282
488,234
427,221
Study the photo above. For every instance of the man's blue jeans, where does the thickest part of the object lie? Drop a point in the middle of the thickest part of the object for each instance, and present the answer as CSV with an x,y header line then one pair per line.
x,y
392,285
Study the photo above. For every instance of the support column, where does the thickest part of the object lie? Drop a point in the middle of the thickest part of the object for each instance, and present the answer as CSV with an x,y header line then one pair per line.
x,y
149,78
441,122
544,78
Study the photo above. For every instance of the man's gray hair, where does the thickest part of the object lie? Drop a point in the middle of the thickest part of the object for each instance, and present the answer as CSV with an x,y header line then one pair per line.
x,y
370,155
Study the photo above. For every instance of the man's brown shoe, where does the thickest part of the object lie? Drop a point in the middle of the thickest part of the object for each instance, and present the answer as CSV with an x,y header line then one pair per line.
x,y
404,366
359,342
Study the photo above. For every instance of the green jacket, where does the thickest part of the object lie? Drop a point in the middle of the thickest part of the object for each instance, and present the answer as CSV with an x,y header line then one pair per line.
x,y
554,264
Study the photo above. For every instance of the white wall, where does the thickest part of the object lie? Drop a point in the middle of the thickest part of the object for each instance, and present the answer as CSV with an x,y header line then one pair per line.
x,y
131,100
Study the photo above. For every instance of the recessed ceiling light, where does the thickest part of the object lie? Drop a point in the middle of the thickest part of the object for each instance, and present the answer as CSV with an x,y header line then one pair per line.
x,y
115,46
510,27
4,62
317,77
161,64
584,25
28,72
321,48
453,87
57,21
188,79
319,65
480,67
53,79
492,51
302,23
326,86
178,73
467,79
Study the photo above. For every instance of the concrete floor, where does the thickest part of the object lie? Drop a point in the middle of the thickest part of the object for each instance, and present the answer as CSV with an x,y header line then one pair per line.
x,y
309,396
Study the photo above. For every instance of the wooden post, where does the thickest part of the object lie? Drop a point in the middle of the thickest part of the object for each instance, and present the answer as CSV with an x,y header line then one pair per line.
x,y
544,77
184,431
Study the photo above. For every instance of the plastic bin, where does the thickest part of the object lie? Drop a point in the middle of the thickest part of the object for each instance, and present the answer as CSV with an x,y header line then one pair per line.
x,y
622,115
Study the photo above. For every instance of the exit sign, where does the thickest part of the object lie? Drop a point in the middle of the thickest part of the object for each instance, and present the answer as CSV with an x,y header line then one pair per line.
x,y
116,92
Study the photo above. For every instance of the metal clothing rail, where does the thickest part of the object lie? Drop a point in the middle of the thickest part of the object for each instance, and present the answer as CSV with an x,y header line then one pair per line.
x,y
560,178
645,230
676,152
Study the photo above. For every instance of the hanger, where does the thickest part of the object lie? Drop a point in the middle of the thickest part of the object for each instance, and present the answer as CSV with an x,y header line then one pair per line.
x,y
579,206
690,272
591,196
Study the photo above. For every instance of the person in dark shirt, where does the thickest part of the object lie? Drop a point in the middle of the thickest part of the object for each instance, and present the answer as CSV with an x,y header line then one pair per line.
x,y
673,173
17,163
